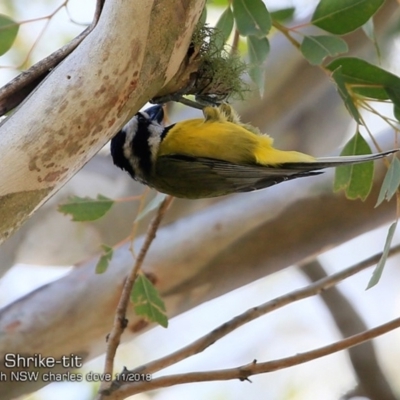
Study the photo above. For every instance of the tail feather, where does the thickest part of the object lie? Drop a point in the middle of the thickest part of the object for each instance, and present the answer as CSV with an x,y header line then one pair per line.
x,y
327,162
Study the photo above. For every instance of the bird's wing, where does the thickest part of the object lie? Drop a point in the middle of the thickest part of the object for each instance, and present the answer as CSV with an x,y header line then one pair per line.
x,y
210,177
328,162
197,177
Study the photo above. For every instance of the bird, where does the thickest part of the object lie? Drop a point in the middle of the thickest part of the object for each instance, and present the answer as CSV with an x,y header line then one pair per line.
x,y
212,156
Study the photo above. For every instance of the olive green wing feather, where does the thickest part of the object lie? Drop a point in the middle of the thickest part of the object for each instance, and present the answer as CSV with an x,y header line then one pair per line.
x,y
194,177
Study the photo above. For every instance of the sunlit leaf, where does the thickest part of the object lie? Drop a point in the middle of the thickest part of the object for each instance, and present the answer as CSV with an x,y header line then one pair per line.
x,y
152,205
258,49
105,259
396,112
343,16
316,48
345,95
367,79
252,17
369,30
203,16
147,301
376,275
8,33
225,23
258,52
85,208
393,93
283,15
391,182
219,3
356,179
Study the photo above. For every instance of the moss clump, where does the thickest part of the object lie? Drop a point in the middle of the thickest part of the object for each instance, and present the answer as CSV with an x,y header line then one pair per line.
x,y
220,73
209,71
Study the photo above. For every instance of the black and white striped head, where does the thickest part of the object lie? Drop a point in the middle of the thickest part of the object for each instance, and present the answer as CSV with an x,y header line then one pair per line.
x,y
134,148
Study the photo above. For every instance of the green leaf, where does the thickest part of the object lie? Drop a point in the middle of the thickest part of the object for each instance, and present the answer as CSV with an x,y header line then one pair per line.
x,y
105,259
8,33
376,275
396,112
345,95
252,17
394,95
283,15
343,16
203,17
258,49
85,208
390,183
356,180
257,76
369,30
366,79
225,23
258,52
147,301
152,205
218,3
316,48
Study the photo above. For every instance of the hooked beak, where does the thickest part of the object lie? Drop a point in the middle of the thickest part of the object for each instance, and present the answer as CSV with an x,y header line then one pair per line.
x,y
155,113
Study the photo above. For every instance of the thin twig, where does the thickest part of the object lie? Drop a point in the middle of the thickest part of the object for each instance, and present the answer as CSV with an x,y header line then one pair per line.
x,y
120,321
286,32
135,224
207,340
244,372
37,40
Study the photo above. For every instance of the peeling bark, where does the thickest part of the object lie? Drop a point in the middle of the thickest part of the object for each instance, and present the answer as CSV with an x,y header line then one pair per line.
x,y
120,65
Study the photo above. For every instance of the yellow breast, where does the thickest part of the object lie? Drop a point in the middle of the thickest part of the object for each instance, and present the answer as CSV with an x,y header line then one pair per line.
x,y
226,141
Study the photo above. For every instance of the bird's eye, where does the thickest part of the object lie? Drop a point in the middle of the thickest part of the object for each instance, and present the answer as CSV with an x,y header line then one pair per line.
x,y
141,118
